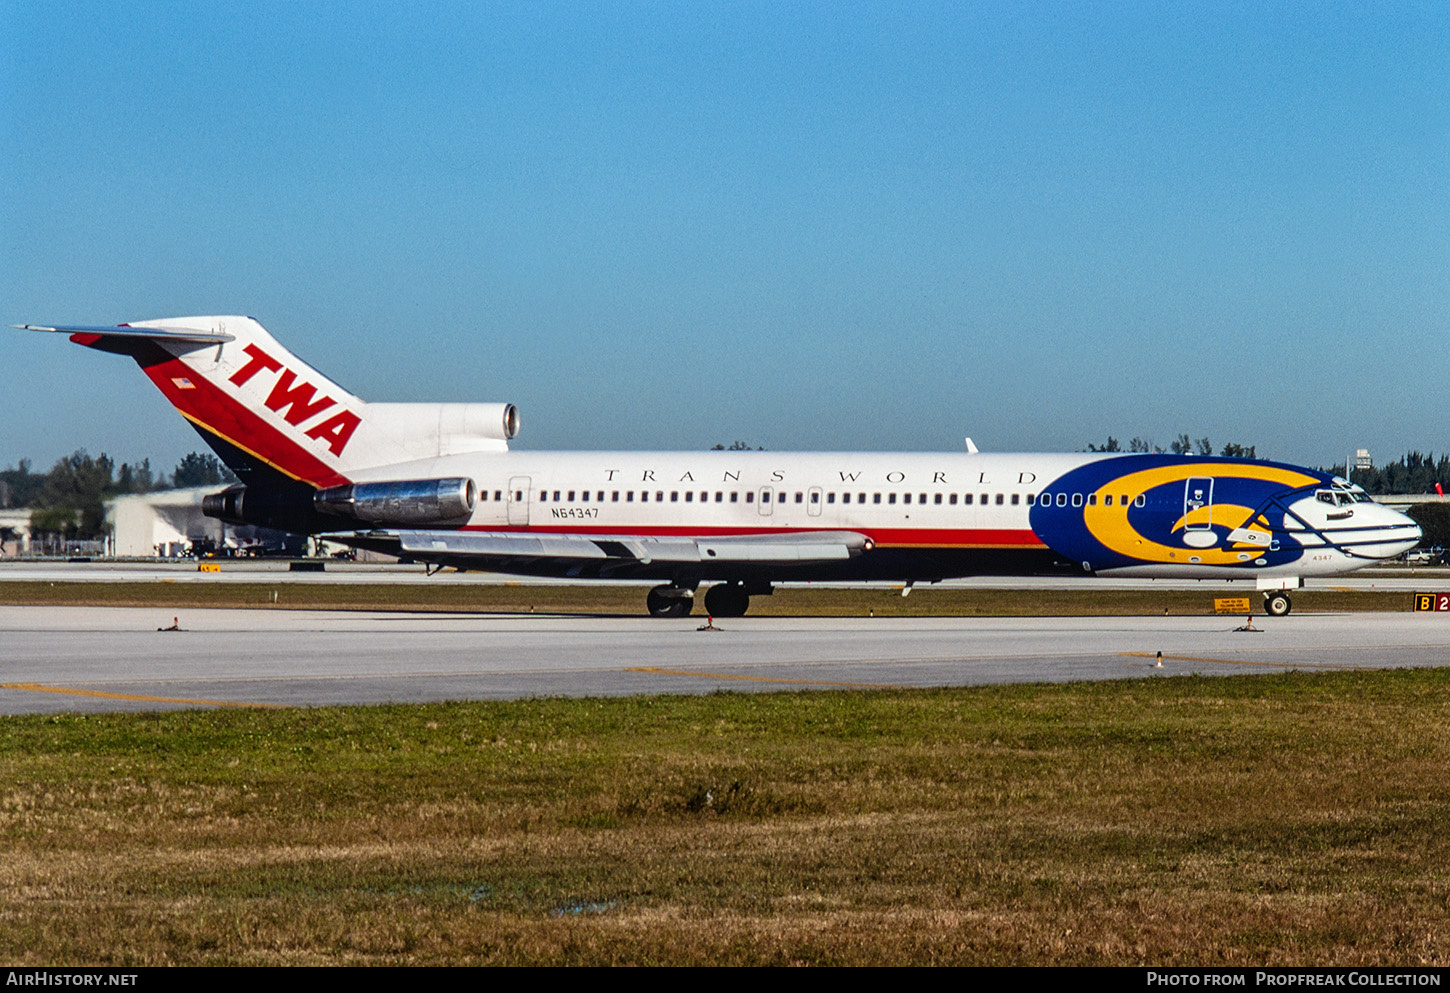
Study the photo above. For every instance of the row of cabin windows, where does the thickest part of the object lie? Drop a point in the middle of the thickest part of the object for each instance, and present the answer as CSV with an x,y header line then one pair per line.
x,y
950,499
733,496
1091,499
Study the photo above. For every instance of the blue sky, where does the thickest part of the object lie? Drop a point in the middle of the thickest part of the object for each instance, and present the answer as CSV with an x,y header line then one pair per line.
x,y
871,226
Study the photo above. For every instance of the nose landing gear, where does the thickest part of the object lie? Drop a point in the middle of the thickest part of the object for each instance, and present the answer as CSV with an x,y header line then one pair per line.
x,y
1277,603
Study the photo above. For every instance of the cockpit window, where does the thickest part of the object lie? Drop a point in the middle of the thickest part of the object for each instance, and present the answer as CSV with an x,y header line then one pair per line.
x,y
1335,498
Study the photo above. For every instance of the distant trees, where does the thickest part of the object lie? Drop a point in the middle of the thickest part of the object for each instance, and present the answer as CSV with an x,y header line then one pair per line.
x,y
736,446
1434,521
1182,445
1416,472
69,500
198,469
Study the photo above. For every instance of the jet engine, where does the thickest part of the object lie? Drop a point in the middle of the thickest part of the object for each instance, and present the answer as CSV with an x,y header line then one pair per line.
x,y
395,503
401,502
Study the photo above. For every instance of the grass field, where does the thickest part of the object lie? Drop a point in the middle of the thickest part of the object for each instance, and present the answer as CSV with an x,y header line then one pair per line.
x,y
1292,819
629,600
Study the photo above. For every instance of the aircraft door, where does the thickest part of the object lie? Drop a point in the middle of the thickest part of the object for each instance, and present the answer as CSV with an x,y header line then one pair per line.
x,y
765,499
1197,495
519,500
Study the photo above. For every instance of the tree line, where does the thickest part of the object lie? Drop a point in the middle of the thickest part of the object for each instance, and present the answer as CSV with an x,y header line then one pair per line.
x,y
1182,445
69,500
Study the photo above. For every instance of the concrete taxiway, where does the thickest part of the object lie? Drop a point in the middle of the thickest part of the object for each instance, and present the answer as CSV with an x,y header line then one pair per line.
x,y
97,659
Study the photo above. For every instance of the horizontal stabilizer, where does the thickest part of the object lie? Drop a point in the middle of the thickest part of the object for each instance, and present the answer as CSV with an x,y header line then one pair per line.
x,y
811,546
195,335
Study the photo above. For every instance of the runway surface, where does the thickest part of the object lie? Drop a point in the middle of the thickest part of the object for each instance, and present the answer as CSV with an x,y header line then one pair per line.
x,y
100,659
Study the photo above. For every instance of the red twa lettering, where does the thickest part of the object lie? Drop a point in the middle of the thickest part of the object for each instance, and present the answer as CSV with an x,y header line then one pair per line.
x,y
258,361
295,403
336,430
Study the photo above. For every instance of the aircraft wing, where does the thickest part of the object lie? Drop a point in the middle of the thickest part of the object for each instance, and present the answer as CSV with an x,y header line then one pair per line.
x,y
624,549
194,335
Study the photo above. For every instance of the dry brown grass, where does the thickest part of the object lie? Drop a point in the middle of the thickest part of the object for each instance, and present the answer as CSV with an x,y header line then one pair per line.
x,y
1253,820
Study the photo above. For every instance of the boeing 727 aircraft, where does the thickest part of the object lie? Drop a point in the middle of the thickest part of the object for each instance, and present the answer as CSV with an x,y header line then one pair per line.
x,y
436,483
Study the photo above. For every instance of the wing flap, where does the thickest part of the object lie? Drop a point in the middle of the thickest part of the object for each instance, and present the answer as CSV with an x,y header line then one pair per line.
x,y
808,546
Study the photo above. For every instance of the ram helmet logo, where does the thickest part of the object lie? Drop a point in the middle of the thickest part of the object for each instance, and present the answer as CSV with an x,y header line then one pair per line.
x,y
1164,510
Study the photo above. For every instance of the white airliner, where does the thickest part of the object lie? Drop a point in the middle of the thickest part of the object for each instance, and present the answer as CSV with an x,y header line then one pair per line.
x,y
436,483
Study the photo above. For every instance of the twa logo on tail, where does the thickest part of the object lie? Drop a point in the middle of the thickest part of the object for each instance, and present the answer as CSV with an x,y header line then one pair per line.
x,y
298,402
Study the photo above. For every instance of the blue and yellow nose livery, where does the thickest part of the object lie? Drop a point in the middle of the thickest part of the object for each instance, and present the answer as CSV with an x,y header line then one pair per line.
x,y
1170,515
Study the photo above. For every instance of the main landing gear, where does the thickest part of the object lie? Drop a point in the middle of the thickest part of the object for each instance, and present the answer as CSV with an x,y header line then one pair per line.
x,y
1277,603
721,600
670,601
727,600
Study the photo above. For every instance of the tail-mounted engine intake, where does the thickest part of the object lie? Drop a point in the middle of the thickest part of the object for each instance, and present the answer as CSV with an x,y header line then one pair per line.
x,y
404,502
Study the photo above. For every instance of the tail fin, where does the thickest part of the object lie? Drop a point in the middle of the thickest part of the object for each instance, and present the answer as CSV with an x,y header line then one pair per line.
x,y
267,413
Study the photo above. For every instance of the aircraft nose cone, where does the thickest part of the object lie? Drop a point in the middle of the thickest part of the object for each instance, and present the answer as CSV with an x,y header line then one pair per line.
x,y
1401,533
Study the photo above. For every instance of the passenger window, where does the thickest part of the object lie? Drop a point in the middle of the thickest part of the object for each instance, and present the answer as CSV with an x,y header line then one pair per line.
x,y
966,498
571,496
585,496
1123,499
543,496
830,498
1077,499
629,497
876,498
644,496
1030,500
1062,499
734,496
689,497
906,498
1092,499
891,498
799,497
599,496
659,496
614,497
986,499
1140,501
674,496
1000,498
937,499
1016,497
719,496
952,499
815,498
750,497
1108,500
498,495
